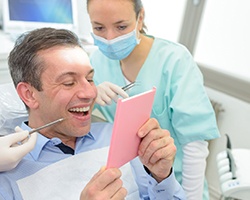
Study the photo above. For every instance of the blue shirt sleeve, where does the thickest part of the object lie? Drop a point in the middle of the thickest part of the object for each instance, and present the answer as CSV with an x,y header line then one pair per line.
x,y
150,189
167,189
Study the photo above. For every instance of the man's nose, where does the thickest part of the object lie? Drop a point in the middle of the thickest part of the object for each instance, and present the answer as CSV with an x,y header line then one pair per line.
x,y
87,90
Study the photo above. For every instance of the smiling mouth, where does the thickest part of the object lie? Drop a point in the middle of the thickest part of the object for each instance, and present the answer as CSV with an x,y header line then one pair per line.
x,y
83,111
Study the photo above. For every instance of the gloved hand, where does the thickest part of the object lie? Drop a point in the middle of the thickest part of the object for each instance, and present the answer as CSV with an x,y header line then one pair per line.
x,y
11,152
106,92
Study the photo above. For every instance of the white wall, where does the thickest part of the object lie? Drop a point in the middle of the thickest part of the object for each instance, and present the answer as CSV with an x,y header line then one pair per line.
x,y
223,40
83,20
1,17
235,118
164,18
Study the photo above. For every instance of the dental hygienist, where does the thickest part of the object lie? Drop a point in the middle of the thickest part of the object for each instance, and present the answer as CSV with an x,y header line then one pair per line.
x,y
126,54
14,147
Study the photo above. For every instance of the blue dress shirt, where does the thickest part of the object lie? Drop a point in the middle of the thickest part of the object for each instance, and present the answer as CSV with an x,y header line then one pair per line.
x,y
46,152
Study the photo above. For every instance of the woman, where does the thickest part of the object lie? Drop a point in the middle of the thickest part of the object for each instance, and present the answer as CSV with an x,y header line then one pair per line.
x,y
127,54
14,147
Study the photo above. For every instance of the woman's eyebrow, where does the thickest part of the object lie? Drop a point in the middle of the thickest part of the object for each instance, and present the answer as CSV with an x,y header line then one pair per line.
x,y
97,23
121,21
115,23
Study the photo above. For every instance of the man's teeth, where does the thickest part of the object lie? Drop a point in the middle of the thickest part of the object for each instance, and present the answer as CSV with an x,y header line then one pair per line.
x,y
84,109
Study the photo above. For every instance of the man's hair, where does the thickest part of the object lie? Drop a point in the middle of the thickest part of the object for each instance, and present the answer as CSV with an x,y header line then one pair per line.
x,y
24,62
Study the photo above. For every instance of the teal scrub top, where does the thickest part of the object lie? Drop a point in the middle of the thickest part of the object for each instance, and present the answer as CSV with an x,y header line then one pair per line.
x,y
181,104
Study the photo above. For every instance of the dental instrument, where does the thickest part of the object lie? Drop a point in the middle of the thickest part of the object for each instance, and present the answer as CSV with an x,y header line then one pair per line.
x,y
130,85
46,125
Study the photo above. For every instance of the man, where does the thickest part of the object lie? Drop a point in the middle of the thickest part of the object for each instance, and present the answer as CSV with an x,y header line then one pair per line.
x,y
53,77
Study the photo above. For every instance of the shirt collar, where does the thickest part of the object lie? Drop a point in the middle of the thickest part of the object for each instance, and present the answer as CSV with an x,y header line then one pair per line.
x,y
42,141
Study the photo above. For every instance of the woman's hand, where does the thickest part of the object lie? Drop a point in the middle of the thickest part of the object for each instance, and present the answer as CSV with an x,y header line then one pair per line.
x,y
14,147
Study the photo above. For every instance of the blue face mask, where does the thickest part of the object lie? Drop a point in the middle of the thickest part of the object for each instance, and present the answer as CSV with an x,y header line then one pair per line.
x,y
117,48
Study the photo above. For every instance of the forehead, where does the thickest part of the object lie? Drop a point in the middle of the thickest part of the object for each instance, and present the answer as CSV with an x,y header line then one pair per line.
x,y
110,9
61,59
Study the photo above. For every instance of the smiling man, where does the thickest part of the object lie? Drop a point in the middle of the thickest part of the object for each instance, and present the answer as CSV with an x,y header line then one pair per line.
x,y
53,77
67,91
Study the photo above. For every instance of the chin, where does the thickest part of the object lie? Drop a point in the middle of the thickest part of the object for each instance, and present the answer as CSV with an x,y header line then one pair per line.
x,y
82,130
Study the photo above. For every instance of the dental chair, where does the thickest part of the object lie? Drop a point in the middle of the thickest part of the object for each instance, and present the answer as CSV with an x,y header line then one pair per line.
x,y
233,168
12,109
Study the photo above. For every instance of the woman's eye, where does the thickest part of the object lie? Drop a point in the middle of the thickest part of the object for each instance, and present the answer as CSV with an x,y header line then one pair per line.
x,y
122,27
98,28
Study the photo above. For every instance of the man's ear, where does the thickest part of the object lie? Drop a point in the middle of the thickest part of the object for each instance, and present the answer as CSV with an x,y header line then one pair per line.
x,y
27,93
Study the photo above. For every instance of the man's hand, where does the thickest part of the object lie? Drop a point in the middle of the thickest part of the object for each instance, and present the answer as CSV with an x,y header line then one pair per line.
x,y
14,147
106,184
157,150
106,92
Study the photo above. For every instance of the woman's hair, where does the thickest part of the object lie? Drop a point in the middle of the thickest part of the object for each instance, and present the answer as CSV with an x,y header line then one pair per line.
x,y
24,62
137,8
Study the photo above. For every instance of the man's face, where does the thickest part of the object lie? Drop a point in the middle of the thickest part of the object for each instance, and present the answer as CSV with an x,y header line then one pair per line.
x,y
68,92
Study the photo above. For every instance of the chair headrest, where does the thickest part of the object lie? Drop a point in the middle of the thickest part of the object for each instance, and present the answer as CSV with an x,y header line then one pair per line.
x,y
12,110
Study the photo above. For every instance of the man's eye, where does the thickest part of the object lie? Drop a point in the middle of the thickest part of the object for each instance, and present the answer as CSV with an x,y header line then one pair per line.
x,y
90,80
68,84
